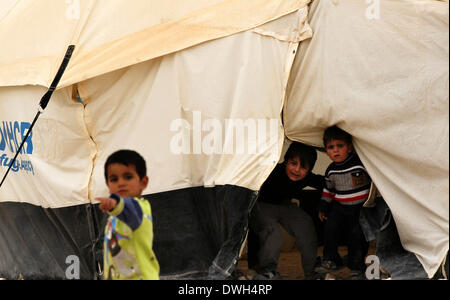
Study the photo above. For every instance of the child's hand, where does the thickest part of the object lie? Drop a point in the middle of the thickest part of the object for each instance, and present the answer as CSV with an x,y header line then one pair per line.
x,y
106,204
322,216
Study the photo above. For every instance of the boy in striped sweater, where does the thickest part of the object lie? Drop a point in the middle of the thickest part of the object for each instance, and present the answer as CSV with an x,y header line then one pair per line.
x,y
346,189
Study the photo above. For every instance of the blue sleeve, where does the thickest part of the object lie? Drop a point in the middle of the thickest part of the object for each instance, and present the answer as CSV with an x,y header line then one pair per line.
x,y
129,211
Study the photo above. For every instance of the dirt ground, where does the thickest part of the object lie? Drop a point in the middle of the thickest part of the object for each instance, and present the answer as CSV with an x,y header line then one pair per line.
x,y
290,268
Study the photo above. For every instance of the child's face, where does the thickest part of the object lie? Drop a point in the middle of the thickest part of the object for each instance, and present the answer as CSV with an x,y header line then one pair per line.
x,y
338,150
124,180
294,169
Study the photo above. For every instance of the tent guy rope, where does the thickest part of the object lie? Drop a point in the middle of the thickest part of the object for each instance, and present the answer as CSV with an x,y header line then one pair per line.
x,y
43,103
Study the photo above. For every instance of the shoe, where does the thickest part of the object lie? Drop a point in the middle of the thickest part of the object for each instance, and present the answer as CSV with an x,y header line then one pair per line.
x,y
327,266
385,274
313,276
238,275
267,276
251,274
357,275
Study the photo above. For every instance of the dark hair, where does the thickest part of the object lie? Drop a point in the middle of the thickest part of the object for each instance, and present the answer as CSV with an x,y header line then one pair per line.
x,y
335,133
305,153
127,157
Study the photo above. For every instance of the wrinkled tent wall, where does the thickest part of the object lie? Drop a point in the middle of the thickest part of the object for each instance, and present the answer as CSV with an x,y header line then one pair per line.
x,y
54,167
188,188
148,29
385,81
199,200
39,235
323,80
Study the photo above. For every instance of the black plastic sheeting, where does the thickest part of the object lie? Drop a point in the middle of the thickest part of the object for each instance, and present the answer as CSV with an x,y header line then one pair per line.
x,y
198,233
378,224
35,242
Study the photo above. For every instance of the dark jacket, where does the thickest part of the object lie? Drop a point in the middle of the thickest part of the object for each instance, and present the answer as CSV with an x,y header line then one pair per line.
x,y
279,189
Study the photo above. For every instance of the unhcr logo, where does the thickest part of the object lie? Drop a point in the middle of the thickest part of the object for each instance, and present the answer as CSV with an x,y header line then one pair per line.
x,y
12,133
234,136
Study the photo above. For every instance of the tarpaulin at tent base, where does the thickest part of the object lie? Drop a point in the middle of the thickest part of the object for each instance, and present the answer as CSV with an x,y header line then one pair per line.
x,y
44,243
199,232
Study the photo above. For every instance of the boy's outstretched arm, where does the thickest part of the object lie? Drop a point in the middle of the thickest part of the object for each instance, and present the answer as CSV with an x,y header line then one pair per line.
x,y
126,209
106,204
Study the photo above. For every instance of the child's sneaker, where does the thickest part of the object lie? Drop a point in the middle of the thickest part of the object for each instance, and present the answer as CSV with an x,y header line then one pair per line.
x,y
357,275
313,276
327,266
251,274
267,276
238,275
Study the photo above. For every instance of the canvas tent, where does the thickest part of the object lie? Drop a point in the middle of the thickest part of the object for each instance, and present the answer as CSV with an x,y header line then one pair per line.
x,y
206,91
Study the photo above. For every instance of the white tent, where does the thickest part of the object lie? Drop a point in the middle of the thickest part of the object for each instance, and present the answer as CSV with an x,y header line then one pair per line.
x,y
207,90
385,81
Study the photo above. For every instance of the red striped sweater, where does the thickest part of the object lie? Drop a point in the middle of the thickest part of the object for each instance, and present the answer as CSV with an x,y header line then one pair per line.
x,y
347,182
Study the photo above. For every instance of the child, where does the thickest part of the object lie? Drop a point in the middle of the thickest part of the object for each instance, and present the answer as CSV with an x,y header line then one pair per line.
x,y
274,208
128,252
346,189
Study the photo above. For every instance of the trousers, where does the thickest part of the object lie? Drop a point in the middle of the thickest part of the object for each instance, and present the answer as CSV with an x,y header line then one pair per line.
x,y
265,224
343,223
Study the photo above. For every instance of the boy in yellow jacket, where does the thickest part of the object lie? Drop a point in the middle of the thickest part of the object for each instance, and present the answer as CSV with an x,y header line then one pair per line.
x,y
128,252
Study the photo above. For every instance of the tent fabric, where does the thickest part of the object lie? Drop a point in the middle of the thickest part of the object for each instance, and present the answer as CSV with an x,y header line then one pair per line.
x,y
153,29
54,167
151,103
178,102
385,81
377,224
46,243
200,230
164,90
174,72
